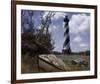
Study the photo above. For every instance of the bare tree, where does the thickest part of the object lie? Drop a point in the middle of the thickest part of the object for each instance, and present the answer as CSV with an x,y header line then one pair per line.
x,y
37,42
44,36
46,21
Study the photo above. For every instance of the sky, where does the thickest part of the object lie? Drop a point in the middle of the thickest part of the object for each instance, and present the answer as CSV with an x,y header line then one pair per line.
x,y
79,29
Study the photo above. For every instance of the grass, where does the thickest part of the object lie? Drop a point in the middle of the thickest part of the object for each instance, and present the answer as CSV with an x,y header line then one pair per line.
x,y
76,67
29,64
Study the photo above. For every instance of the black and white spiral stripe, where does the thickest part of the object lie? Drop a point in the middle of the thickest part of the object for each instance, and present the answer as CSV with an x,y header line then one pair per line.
x,y
66,44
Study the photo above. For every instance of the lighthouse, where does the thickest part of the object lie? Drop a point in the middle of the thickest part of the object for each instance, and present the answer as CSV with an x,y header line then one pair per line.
x,y
66,44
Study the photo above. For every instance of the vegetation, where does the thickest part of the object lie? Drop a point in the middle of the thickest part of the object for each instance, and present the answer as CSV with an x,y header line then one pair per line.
x,y
33,38
86,53
75,67
34,41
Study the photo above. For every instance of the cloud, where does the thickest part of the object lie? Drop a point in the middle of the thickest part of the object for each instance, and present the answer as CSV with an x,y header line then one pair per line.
x,y
56,16
79,43
45,14
79,23
52,28
77,47
59,15
83,45
79,27
58,45
77,39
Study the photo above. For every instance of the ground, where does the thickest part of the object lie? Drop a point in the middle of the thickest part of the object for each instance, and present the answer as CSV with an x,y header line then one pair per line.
x,y
29,65
75,67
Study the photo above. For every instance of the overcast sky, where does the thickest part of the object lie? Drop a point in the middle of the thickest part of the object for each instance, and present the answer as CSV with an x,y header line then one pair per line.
x,y
79,27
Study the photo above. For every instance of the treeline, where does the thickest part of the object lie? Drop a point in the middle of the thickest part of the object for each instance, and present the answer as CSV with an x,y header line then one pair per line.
x,y
82,53
73,53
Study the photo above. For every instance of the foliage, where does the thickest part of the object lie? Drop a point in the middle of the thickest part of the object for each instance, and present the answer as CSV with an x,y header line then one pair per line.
x,y
35,40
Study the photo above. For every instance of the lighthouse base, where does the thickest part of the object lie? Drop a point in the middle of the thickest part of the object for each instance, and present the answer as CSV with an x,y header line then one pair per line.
x,y
66,51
